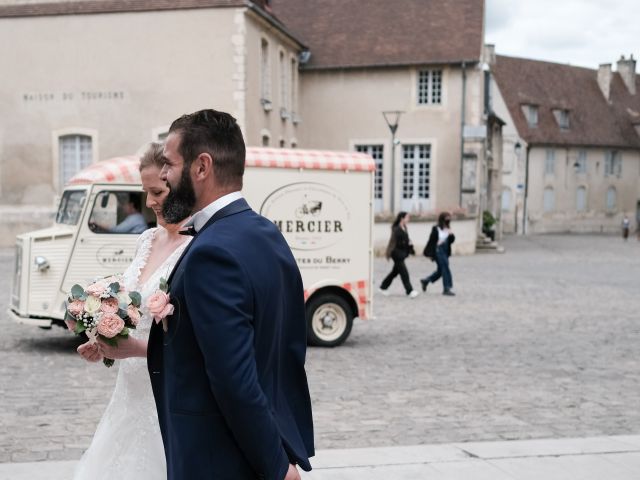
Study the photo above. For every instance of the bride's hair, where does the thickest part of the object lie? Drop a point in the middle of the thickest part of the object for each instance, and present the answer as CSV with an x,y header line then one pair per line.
x,y
152,157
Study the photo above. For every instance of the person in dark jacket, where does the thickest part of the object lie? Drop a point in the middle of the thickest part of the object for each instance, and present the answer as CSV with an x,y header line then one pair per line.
x,y
399,248
438,249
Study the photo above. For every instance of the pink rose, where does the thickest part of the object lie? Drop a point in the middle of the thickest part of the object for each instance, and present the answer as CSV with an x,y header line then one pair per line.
x,y
159,306
76,307
97,289
110,325
109,305
134,314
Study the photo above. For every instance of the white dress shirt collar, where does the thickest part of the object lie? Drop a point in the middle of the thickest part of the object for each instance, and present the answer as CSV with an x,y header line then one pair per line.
x,y
201,217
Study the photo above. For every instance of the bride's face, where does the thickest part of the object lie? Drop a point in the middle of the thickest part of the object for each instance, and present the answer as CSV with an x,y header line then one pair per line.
x,y
156,190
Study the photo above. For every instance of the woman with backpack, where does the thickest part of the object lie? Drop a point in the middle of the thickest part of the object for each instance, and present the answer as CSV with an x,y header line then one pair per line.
x,y
438,249
399,248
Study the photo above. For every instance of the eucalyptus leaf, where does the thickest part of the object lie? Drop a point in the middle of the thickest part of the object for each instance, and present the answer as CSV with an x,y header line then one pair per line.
x,y
136,299
77,292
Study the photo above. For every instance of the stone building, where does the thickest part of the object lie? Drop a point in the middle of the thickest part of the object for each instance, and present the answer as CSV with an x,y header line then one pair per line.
x,y
571,145
88,80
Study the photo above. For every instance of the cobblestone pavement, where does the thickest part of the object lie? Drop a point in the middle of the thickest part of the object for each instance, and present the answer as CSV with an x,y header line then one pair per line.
x,y
540,342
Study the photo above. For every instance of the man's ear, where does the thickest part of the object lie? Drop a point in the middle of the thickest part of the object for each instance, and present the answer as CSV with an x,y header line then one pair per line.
x,y
203,166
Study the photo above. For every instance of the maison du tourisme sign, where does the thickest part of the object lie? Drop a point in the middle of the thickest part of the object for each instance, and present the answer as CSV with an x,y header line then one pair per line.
x,y
84,95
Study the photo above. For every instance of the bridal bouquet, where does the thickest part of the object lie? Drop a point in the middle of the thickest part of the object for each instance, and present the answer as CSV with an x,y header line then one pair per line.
x,y
105,310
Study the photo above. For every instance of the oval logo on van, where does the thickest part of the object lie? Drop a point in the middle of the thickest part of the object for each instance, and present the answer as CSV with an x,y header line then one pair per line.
x,y
311,216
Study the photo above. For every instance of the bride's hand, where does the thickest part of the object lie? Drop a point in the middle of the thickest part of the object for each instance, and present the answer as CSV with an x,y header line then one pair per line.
x,y
292,473
127,348
90,352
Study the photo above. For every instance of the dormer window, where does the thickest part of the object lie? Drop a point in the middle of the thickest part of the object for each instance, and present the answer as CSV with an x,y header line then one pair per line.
x,y
562,117
531,114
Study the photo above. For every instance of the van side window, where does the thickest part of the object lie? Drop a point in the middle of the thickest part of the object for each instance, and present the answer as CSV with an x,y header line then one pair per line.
x,y
70,208
118,212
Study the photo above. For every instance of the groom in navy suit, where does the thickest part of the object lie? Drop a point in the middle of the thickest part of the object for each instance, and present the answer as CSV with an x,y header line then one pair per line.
x,y
227,367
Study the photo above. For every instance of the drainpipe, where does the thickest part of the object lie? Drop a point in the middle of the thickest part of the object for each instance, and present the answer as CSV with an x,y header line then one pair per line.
x,y
462,119
525,211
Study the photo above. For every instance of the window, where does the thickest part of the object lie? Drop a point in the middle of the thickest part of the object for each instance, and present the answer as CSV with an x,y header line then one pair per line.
x,y
265,140
377,152
581,162
284,83
612,164
119,212
612,199
70,207
506,200
429,87
562,117
75,154
416,172
550,162
265,71
581,199
549,200
294,84
531,114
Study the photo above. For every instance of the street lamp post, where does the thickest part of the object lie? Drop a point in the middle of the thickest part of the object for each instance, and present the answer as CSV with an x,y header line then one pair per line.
x,y
393,118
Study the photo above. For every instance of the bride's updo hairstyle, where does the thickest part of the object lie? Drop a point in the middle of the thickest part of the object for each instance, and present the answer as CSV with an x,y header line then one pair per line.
x,y
152,157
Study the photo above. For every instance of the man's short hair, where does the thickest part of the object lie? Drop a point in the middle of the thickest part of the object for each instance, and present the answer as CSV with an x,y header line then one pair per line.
x,y
215,133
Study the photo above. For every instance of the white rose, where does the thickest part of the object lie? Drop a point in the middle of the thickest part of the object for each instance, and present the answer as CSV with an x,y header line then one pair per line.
x,y
92,305
124,300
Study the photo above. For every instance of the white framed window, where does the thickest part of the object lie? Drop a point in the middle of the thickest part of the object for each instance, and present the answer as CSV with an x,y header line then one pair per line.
x,y
506,200
581,162
562,117
377,153
531,114
549,200
429,87
612,199
416,177
73,150
550,162
581,199
265,71
612,164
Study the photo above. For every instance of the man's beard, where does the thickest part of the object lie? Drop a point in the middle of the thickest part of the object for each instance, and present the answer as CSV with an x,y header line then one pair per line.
x,y
180,201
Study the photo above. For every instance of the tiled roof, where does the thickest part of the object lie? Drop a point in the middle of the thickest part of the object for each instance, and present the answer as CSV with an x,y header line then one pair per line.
x,y
357,33
592,120
112,6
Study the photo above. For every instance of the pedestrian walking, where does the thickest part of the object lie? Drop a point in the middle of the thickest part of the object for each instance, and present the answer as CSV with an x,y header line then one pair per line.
x,y
438,249
626,225
399,248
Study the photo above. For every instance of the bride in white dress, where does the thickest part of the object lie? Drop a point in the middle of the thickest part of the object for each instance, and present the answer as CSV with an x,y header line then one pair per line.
x,y
127,444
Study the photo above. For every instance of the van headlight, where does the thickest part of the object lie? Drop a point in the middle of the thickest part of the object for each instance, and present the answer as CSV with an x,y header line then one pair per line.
x,y
42,264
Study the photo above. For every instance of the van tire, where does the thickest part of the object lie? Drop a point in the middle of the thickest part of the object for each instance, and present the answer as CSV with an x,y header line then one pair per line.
x,y
329,320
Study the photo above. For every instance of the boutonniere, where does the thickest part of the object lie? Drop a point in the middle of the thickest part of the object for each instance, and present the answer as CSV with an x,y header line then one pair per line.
x,y
159,304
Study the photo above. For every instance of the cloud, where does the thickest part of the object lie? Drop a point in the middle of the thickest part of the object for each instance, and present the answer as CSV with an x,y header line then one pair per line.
x,y
580,32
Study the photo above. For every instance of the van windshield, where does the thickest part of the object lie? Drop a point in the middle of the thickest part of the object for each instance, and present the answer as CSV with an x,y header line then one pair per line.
x,y
71,206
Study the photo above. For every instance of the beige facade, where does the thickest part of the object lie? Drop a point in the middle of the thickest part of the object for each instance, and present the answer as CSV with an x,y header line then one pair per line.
x,y
118,80
343,109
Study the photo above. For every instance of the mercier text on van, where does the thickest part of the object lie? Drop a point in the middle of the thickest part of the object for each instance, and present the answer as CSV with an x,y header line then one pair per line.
x,y
311,226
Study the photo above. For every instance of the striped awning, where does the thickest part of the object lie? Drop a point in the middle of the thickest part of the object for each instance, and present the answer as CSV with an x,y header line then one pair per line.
x,y
125,169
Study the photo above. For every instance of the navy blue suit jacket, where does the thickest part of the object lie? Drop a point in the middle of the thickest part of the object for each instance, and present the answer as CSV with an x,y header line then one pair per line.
x,y
228,375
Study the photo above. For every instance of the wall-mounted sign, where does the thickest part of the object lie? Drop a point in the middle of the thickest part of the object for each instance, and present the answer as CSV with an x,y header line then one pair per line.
x,y
85,95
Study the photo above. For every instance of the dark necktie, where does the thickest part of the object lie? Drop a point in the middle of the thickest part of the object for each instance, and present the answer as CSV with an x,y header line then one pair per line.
x,y
190,230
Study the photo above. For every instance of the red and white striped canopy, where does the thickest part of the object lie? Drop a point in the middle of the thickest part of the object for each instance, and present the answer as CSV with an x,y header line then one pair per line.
x,y
125,169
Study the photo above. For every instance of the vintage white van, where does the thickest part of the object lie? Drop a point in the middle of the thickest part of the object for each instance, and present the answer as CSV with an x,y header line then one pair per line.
x,y
320,200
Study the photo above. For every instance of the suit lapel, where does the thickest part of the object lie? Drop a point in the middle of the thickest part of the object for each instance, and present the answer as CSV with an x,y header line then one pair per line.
x,y
238,206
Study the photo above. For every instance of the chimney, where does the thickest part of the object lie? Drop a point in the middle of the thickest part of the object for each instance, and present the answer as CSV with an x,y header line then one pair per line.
x,y
627,70
604,80
490,54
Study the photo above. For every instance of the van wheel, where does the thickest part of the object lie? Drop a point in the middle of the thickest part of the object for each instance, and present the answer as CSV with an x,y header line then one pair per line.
x,y
329,320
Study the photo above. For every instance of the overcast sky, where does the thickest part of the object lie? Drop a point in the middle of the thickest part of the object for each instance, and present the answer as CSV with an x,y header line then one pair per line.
x,y
580,32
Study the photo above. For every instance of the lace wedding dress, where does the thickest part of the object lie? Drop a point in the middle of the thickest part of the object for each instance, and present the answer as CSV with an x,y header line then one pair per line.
x,y
127,444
